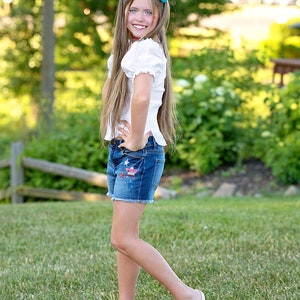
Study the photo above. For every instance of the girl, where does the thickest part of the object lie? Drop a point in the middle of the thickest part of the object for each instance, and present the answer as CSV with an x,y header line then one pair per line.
x,y
138,120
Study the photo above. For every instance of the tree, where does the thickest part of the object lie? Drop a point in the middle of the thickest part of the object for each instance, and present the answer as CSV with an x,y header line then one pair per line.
x,y
48,64
190,12
83,41
22,56
82,38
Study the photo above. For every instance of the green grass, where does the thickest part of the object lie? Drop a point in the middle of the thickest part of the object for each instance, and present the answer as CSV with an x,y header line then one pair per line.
x,y
231,248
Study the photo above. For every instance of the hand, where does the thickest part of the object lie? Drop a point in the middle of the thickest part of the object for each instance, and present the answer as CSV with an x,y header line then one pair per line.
x,y
130,142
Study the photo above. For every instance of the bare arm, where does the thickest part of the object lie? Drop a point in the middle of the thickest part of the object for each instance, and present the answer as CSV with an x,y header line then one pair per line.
x,y
133,134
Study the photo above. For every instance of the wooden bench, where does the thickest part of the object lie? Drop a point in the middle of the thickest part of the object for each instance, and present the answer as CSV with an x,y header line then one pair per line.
x,y
284,66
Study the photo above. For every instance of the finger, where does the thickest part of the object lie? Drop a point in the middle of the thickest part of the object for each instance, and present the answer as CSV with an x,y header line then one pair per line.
x,y
122,130
126,124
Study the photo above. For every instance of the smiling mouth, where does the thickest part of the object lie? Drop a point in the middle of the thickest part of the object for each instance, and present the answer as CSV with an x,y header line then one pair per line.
x,y
140,26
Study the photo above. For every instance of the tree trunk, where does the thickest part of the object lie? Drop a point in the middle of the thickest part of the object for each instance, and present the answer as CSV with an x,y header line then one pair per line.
x,y
48,65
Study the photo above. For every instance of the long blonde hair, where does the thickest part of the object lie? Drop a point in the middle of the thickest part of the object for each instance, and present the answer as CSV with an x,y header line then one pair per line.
x,y
117,89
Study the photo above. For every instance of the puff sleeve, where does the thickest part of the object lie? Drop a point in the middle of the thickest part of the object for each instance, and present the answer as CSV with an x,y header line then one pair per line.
x,y
144,56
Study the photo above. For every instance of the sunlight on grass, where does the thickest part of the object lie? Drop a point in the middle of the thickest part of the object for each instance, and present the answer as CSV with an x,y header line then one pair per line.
x,y
231,248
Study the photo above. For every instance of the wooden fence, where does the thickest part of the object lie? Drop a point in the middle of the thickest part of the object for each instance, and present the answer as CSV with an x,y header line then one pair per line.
x,y
18,190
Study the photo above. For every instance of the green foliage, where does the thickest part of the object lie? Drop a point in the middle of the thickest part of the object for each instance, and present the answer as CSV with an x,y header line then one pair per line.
x,y
80,45
74,142
83,35
279,145
181,11
284,159
212,107
22,57
208,117
284,41
83,32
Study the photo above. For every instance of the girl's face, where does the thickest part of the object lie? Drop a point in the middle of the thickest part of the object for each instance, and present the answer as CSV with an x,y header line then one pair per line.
x,y
141,18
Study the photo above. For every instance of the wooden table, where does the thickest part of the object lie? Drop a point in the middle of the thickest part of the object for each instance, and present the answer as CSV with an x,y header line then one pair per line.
x,y
284,66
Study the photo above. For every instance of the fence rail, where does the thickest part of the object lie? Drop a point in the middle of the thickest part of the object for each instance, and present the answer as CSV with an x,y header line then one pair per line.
x,y
18,190
4,163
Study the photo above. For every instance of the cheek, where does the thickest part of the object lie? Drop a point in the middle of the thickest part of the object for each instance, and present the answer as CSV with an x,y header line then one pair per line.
x,y
128,20
154,22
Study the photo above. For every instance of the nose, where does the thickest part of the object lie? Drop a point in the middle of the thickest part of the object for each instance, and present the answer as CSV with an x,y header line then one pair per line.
x,y
140,15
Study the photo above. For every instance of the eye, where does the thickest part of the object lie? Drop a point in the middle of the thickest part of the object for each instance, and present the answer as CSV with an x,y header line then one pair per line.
x,y
132,10
148,12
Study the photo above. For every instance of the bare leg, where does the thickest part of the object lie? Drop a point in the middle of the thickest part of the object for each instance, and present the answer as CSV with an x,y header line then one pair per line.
x,y
125,239
128,272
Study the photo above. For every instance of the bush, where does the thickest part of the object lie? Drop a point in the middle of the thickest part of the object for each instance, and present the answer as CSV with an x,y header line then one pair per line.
x,y
284,159
209,118
212,111
212,106
73,142
279,145
283,40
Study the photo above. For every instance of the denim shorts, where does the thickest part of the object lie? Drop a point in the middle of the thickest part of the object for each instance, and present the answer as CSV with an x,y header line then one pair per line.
x,y
133,176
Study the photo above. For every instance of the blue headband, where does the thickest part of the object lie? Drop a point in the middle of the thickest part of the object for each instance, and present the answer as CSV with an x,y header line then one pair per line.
x,y
163,1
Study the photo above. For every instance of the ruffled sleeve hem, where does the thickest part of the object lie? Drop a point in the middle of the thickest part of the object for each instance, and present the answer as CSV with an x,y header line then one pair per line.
x,y
144,56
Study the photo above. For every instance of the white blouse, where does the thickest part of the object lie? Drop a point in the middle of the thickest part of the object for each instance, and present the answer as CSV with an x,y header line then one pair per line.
x,y
145,56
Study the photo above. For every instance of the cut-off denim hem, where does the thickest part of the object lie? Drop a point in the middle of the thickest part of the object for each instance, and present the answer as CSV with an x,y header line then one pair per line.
x,y
131,200
133,176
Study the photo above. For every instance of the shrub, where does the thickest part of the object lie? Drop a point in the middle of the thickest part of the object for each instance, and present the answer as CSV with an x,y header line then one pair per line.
x,y
73,142
209,118
212,111
212,106
283,40
279,145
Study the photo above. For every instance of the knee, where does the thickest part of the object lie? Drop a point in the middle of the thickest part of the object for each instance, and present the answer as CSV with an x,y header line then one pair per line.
x,y
118,242
122,243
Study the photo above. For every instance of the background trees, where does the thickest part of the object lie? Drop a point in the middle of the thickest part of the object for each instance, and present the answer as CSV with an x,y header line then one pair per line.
x,y
83,30
221,84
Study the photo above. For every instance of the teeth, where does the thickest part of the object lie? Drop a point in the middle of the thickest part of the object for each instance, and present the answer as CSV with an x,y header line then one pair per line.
x,y
139,27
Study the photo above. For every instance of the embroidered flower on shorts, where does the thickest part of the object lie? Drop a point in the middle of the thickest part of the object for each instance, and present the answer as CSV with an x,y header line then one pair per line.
x,y
131,171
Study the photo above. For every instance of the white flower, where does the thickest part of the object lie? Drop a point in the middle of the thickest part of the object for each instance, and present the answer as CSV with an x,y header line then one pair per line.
x,y
220,91
266,134
182,83
200,78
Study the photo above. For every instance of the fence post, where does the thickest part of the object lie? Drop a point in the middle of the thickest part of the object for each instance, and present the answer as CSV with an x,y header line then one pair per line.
x,y
16,172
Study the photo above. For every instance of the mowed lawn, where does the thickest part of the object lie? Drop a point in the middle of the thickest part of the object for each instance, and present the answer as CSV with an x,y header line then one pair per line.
x,y
236,248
